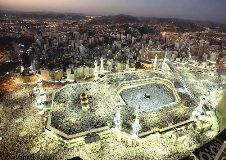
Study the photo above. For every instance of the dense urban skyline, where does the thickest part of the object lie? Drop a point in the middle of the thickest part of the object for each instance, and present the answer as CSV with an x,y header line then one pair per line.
x,y
187,9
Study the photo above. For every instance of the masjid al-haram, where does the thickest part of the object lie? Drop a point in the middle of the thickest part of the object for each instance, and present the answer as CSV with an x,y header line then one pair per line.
x,y
90,107
146,113
132,109
137,114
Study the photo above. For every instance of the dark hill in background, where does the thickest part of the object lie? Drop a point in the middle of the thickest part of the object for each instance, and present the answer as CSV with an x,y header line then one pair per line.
x,y
42,15
117,19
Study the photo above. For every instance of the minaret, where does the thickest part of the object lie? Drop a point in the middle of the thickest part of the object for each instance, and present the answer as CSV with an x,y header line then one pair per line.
x,y
117,119
155,61
101,65
189,53
95,70
136,125
164,61
40,94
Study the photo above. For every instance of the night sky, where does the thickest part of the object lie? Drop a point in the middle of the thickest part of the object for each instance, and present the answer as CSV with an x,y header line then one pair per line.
x,y
212,10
